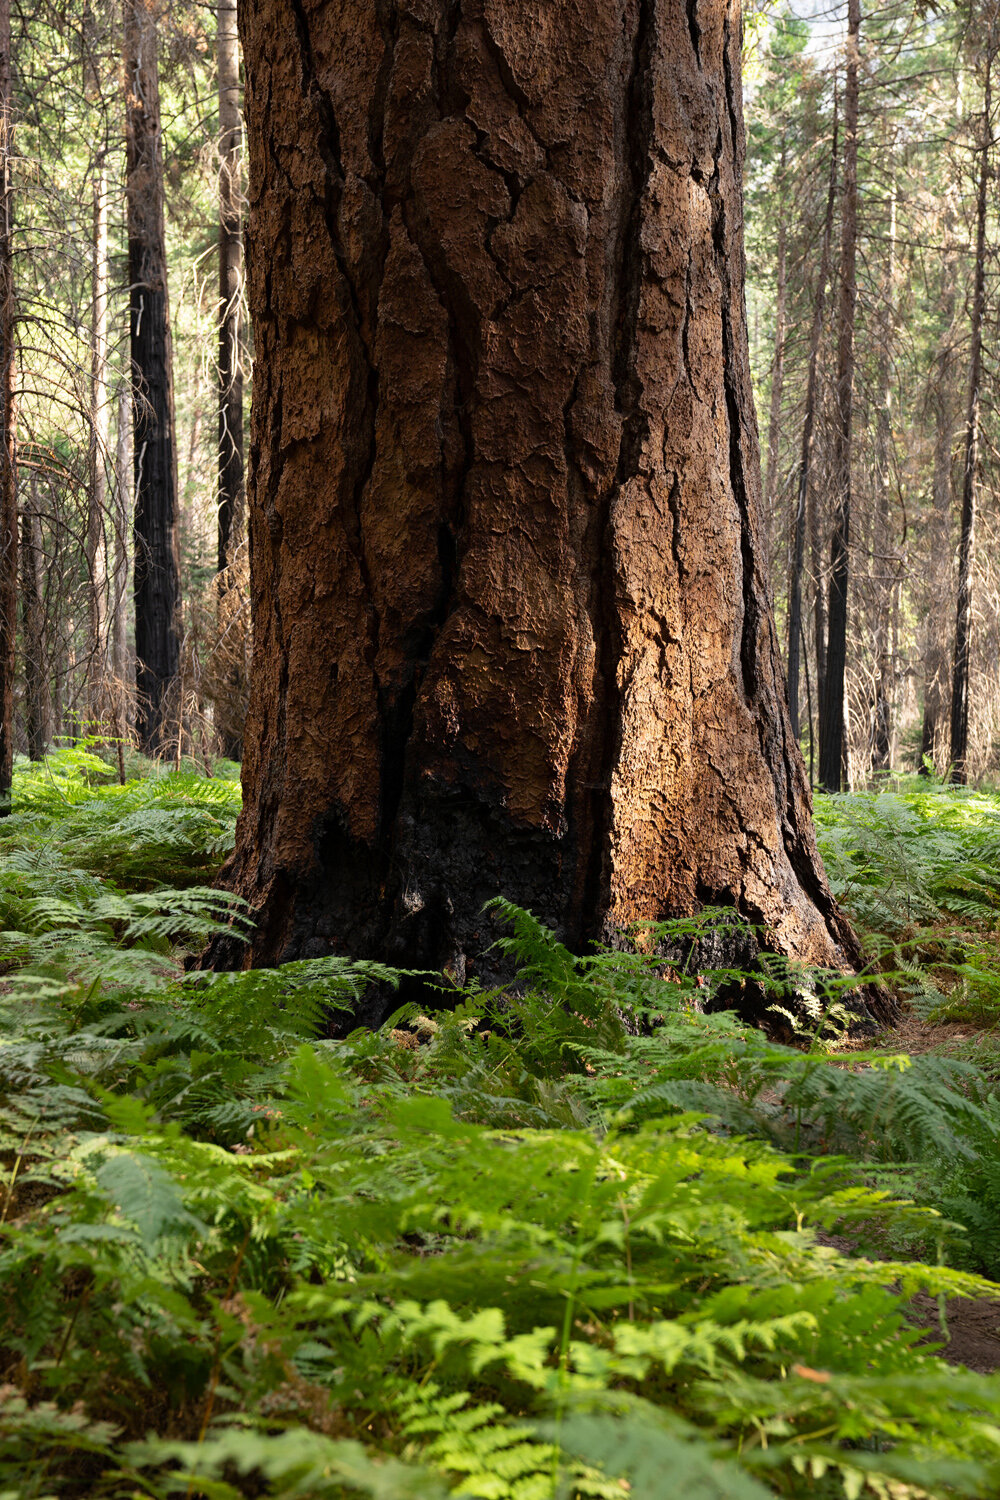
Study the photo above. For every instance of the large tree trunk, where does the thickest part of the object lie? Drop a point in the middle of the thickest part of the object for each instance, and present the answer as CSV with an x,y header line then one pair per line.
x,y
795,632
157,586
963,616
831,735
8,410
513,631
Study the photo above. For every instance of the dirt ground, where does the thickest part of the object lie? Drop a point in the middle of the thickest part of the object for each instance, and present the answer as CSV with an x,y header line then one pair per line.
x,y
972,1323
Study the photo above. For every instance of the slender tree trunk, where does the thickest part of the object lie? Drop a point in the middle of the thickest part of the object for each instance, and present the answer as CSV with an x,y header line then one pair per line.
x,y
831,740
230,268
819,601
963,617
123,520
512,627
933,746
157,586
32,559
884,562
8,418
808,429
231,701
97,550
771,484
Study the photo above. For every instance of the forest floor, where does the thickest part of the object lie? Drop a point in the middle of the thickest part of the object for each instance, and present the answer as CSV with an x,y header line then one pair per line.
x,y
920,880
548,1243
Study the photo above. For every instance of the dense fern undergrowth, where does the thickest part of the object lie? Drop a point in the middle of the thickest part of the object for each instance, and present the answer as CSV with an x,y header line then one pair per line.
x,y
574,1240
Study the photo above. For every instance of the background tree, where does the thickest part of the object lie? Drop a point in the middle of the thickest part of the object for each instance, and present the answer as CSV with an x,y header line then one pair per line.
x,y
157,584
832,727
963,620
919,143
8,452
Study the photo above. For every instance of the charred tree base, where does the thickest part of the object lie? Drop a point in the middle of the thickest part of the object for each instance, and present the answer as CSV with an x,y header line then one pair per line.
x,y
423,909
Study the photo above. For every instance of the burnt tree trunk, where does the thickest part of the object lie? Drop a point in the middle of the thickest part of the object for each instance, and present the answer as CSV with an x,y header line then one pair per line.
x,y
885,563
816,518
933,740
795,632
230,266
123,510
97,456
157,584
8,423
771,476
831,734
37,711
512,627
966,542
230,704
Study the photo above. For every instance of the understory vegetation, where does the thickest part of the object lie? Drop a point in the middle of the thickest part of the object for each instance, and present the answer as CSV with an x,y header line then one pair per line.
x,y
561,1241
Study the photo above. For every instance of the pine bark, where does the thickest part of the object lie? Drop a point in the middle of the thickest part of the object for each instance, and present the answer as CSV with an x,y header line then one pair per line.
x,y
831,740
963,615
231,701
123,510
157,585
37,708
771,478
795,632
885,564
230,268
97,484
512,625
8,420
933,741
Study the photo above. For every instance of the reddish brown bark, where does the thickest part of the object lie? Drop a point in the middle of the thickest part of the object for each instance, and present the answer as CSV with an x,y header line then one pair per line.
x,y
512,624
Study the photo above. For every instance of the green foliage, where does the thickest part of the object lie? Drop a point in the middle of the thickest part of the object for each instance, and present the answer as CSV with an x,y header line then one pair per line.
x,y
559,1241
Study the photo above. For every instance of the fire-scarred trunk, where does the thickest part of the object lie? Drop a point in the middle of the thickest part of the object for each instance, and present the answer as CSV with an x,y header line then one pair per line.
x,y
8,423
512,629
157,580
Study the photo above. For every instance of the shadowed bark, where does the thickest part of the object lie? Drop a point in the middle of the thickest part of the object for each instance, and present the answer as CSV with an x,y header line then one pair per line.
x,y
37,705
966,543
8,425
230,269
795,630
157,581
831,732
512,629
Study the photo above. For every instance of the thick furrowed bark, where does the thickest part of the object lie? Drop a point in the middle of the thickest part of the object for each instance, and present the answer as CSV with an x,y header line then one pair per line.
x,y
512,624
